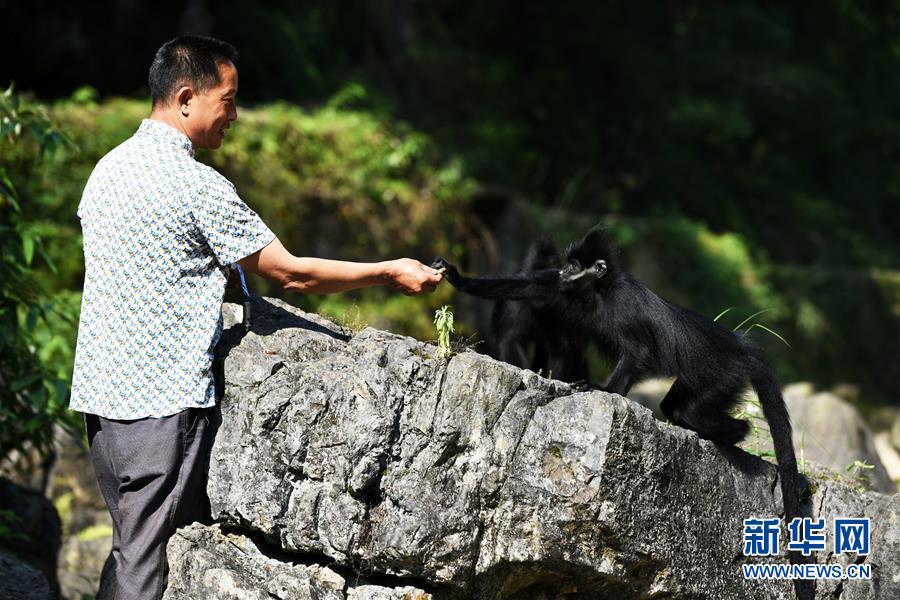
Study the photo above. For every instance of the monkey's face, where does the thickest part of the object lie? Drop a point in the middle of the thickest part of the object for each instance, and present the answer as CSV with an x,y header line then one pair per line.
x,y
576,275
588,261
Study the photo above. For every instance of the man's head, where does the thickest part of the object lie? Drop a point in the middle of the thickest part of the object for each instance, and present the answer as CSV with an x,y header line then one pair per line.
x,y
193,83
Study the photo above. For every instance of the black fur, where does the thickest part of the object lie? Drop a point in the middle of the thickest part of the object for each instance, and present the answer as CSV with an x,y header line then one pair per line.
x,y
520,328
649,336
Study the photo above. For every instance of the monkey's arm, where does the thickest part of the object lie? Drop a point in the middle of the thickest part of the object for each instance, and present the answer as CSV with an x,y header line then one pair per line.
x,y
517,286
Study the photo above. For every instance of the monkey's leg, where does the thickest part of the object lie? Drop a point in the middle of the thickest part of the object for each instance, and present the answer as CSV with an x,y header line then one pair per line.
x,y
706,412
673,400
511,350
512,328
564,365
622,377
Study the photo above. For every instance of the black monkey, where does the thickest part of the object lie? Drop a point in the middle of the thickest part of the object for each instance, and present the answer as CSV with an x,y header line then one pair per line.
x,y
517,326
650,336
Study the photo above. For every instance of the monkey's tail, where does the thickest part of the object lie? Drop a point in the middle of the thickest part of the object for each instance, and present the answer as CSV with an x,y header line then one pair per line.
x,y
776,414
775,411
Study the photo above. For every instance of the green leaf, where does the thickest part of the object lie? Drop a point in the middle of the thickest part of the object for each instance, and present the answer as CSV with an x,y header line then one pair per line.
x,y
25,381
9,191
859,464
28,248
50,264
39,399
31,318
756,314
62,391
723,313
770,331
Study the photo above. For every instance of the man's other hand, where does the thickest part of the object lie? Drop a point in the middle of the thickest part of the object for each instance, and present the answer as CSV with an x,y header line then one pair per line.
x,y
411,277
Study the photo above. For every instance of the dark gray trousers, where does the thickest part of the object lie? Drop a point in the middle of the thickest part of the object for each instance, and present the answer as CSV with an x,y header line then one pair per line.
x,y
152,474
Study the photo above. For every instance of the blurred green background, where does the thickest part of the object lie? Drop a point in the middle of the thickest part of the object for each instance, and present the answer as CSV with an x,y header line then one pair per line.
x,y
744,154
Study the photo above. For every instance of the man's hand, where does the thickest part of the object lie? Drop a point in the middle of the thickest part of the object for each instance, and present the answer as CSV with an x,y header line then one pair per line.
x,y
411,277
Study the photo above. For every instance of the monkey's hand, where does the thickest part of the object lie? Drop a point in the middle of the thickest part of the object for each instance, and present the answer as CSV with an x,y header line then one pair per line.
x,y
450,271
583,385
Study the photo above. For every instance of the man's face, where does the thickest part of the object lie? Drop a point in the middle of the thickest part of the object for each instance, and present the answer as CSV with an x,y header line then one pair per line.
x,y
213,110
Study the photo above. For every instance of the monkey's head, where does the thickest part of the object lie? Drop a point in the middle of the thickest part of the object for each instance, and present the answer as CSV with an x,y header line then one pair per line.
x,y
588,261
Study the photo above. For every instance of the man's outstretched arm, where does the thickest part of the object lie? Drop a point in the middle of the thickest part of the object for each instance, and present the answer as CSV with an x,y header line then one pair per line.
x,y
322,276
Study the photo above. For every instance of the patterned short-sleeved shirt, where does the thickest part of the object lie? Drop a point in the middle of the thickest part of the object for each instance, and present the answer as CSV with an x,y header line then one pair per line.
x,y
160,231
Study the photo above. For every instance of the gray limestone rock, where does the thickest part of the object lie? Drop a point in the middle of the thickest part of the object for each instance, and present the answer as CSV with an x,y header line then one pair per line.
x,y
475,479
832,501
377,592
204,562
889,456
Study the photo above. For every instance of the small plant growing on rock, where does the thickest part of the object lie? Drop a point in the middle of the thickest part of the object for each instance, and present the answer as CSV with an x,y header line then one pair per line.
x,y
352,319
857,478
443,322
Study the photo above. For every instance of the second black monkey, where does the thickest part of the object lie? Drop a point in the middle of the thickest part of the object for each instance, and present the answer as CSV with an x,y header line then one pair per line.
x,y
532,333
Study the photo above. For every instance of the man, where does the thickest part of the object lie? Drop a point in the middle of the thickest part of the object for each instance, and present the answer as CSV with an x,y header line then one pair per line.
x,y
160,230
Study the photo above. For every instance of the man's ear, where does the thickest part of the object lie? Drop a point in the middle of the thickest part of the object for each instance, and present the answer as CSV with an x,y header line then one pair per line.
x,y
183,96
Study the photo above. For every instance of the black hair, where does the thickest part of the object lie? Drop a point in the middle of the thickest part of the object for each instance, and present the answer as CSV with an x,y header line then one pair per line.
x,y
189,59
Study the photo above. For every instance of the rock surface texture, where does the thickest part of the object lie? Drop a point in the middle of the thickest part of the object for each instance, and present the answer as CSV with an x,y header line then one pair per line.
x,y
365,466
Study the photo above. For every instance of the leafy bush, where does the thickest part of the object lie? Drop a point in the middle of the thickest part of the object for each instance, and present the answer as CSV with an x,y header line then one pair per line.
x,y
342,181
33,386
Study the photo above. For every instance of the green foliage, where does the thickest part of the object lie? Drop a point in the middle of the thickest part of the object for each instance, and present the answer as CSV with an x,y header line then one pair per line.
x,y
33,385
353,185
760,441
853,476
381,309
844,325
377,186
342,181
695,266
767,120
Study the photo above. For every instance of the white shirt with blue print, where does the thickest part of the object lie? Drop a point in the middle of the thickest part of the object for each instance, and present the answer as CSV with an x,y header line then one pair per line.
x,y
160,230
